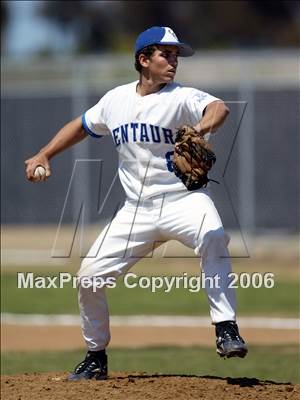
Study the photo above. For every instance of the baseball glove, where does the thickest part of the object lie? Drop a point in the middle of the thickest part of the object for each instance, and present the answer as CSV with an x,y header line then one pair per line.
x,y
193,158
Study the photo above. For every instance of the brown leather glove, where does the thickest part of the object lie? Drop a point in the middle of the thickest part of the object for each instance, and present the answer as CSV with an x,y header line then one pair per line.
x,y
193,158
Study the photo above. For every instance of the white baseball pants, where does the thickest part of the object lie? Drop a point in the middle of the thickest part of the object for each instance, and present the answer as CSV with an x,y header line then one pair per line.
x,y
189,217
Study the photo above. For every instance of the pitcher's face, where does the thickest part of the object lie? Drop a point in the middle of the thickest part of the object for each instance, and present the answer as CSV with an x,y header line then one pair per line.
x,y
162,64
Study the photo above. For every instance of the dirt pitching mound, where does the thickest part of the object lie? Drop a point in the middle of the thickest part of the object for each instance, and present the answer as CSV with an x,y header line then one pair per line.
x,y
140,386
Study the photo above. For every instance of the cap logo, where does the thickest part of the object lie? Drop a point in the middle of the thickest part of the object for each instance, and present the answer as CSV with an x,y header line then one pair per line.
x,y
169,36
169,30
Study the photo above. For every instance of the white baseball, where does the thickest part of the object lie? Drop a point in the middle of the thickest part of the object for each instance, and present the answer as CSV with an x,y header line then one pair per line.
x,y
40,173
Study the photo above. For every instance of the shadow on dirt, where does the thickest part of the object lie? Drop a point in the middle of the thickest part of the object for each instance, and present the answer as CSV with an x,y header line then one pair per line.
x,y
242,382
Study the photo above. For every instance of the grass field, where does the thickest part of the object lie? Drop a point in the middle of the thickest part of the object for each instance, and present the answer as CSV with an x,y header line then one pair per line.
x,y
276,363
282,299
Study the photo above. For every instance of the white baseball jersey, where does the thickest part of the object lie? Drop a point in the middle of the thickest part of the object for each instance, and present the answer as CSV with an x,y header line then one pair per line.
x,y
143,130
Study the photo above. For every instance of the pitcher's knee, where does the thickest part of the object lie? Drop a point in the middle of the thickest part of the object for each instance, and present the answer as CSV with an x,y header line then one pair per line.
x,y
100,270
85,269
217,235
215,243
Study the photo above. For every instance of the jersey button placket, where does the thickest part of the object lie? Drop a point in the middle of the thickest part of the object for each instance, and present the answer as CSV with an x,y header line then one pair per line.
x,y
138,108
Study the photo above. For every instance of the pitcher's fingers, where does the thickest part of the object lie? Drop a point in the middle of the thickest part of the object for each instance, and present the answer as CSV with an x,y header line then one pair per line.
x,y
48,171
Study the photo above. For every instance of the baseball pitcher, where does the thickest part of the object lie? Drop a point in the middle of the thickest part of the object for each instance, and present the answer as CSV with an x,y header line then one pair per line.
x,y
157,127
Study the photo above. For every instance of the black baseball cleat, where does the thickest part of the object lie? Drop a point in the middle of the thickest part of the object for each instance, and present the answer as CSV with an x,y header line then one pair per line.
x,y
94,366
229,342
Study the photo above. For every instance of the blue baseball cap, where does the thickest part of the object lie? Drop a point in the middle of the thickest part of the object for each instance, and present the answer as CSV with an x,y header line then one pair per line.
x,y
164,36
